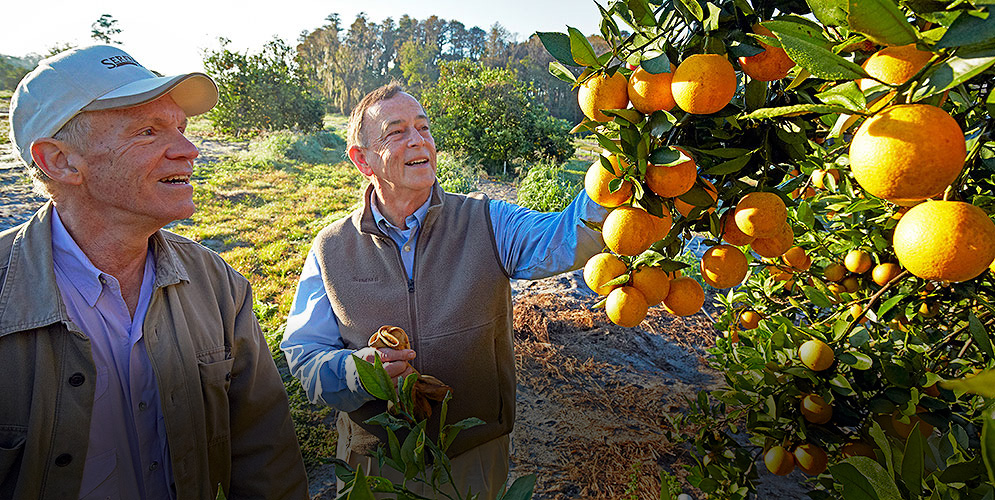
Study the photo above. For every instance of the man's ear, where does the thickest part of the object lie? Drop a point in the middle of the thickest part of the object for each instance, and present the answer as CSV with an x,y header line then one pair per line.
x,y
358,157
57,159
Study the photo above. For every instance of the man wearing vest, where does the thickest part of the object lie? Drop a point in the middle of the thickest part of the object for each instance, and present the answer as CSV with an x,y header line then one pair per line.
x,y
437,265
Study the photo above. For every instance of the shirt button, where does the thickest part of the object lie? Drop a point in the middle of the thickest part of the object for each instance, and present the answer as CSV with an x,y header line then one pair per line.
x,y
63,460
76,379
103,280
142,406
407,248
153,466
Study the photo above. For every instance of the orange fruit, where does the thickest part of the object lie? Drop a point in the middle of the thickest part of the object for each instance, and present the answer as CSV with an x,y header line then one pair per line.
x,y
631,230
883,273
893,65
650,92
723,266
779,461
731,232
797,258
855,311
903,424
601,269
945,241
761,214
603,92
778,274
771,64
749,319
858,261
662,225
596,183
857,449
811,459
815,409
851,284
704,84
672,181
907,153
819,177
776,245
834,272
626,306
686,208
929,309
653,282
685,298
816,355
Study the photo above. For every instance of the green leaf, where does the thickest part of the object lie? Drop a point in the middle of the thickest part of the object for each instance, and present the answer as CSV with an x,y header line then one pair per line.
x,y
729,167
847,95
657,65
521,489
660,123
889,304
880,20
697,196
372,375
969,29
881,442
805,215
581,49
817,297
630,115
360,489
756,94
818,60
666,155
829,12
981,337
988,442
558,46
767,113
841,385
690,9
857,360
711,23
642,13
982,384
864,479
912,461
561,72
954,72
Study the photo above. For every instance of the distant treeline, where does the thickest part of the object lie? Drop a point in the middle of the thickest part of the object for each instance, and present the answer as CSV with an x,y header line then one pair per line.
x,y
346,63
12,69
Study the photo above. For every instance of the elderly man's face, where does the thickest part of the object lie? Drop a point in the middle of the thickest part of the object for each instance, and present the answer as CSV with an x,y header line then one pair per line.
x,y
401,151
138,164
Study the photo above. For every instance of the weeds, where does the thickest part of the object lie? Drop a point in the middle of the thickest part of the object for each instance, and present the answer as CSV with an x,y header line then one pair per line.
x,y
547,187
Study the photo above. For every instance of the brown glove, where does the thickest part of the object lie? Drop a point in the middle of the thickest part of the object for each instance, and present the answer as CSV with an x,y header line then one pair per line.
x,y
427,387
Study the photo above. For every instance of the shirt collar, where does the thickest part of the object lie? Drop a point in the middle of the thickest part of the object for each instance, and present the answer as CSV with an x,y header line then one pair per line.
x,y
71,260
414,220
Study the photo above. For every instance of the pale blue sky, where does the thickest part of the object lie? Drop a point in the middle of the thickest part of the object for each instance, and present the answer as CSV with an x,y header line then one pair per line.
x,y
170,36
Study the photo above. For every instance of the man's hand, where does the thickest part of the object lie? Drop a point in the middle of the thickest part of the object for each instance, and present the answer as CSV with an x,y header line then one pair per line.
x,y
394,361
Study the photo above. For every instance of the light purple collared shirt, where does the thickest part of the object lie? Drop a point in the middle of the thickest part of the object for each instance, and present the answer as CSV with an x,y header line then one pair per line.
x,y
127,456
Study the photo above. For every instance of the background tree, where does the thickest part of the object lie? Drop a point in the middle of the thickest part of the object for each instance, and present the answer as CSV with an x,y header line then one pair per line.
x,y
104,29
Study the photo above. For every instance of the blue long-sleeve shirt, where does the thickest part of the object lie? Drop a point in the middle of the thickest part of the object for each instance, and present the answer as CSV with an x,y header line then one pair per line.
x,y
531,244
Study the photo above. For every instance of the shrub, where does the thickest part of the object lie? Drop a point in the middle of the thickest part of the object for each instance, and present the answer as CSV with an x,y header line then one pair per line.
x,y
548,188
456,175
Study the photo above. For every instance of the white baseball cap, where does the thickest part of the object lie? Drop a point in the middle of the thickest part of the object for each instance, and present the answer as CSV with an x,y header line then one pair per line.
x,y
91,79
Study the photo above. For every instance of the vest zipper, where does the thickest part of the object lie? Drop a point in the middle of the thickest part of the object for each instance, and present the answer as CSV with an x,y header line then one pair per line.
x,y
411,285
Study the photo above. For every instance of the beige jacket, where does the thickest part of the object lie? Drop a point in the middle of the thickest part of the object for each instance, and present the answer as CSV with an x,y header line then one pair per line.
x,y
225,408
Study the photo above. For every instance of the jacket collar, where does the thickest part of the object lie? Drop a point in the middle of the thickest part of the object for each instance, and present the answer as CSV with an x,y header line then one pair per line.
x,y
367,222
30,297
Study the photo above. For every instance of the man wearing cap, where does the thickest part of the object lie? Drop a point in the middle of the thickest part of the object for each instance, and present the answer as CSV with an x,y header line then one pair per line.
x,y
131,364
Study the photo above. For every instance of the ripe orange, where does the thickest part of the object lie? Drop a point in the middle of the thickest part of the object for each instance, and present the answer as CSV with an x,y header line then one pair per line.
x,y
704,84
907,153
686,208
893,65
596,184
851,284
857,449
778,274
731,232
858,261
883,273
676,180
945,241
819,177
631,230
626,306
855,311
603,92
776,245
749,319
761,214
723,266
650,92
779,461
601,269
811,459
834,272
815,409
771,64
816,355
797,258
903,424
653,282
662,225
685,298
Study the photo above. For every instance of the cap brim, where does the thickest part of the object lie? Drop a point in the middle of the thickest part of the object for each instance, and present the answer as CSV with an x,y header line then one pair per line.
x,y
194,93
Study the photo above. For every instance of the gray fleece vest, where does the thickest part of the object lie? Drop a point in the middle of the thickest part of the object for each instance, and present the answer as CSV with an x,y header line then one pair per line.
x,y
456,309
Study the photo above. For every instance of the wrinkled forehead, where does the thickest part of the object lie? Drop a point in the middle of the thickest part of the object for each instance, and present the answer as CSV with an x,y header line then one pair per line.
x,y
401,108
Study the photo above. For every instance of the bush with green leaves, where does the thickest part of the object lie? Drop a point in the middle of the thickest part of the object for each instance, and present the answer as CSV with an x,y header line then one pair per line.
x,y
456,175
490,117
262,91
548,188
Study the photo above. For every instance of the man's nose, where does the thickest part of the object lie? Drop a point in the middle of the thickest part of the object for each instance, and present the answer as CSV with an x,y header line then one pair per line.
x,y
182,148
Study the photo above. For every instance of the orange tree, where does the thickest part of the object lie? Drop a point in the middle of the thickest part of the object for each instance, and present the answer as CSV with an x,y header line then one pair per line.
x,y
844,150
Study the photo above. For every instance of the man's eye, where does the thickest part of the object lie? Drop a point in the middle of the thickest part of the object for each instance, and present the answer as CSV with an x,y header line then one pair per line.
x,y
147,131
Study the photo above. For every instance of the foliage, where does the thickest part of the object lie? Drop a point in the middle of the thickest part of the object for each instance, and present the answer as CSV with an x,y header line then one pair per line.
x,y
264,91
104,29
11,73
548,187
490,117
411,449
888,373
455,174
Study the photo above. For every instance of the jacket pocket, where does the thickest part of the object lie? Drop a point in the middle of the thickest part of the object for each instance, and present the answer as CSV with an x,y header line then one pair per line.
x,y
215,378
12,440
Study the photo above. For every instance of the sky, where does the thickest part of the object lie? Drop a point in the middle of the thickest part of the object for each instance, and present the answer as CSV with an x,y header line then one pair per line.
x,y
170,37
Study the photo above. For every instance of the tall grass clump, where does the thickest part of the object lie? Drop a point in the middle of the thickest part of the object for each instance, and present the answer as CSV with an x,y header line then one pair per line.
x,y
284,147
455,174
548,187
